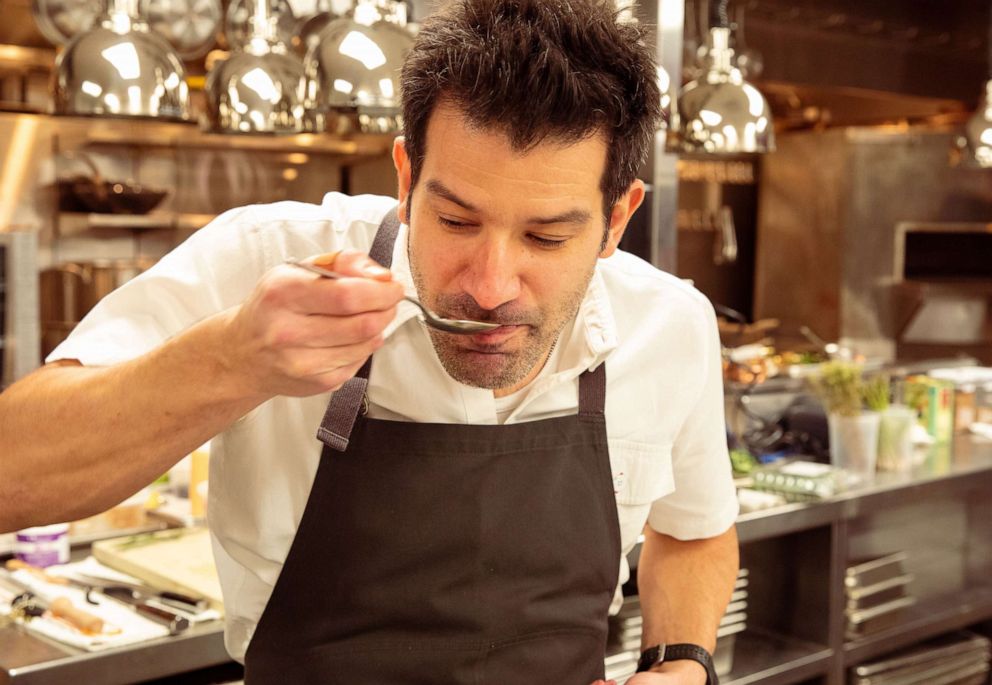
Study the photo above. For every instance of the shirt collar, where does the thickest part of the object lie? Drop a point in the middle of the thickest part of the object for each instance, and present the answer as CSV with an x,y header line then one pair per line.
x,y
405,311
589,341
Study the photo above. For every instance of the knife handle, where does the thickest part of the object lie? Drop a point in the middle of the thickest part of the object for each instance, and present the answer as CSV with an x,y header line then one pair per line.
x,y
18,565
64,609
174,622
191,603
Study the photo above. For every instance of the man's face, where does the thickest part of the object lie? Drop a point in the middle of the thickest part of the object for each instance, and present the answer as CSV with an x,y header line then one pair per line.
x,y
502,236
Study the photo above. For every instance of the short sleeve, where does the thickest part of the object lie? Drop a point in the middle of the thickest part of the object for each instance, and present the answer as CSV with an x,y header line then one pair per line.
x,y
216,268
704,501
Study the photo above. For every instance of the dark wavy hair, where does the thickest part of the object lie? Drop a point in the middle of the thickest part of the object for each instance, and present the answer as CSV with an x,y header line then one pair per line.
x,y
537,70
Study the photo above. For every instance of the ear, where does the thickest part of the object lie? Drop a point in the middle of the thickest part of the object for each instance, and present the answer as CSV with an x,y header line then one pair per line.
x,y
620,216
402,163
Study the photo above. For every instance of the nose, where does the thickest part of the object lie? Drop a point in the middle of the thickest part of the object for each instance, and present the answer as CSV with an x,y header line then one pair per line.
x,y
491,275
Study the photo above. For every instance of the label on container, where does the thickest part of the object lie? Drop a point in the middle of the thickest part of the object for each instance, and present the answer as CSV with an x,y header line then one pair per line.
x,y
43,546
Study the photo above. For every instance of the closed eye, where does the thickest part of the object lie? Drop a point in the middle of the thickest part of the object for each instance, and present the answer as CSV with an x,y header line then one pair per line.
x,y
547,242
452,223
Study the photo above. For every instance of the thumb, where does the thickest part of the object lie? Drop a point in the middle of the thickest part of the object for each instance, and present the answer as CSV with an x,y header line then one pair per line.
x,y
352,263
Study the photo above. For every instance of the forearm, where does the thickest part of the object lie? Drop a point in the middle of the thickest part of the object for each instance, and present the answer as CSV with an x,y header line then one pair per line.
x,y
77,440
685,586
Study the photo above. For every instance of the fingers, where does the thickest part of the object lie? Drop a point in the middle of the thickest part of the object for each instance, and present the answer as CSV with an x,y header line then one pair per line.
x,y
322,331
306,293
314,364
352,263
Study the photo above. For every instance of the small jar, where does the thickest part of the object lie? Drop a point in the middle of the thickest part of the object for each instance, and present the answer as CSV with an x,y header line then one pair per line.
x,y
983,404
965,406
43,546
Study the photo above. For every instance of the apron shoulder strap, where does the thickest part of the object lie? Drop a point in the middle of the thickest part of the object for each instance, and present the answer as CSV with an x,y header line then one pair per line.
x,y
342,410
592,394
385,238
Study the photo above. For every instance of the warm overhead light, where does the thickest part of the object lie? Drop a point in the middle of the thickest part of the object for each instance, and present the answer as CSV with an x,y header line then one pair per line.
x,y
260,88
720,112
354,66
978,133
120,68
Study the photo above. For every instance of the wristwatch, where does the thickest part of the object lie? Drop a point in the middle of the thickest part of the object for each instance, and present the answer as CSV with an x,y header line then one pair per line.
x,y
659,654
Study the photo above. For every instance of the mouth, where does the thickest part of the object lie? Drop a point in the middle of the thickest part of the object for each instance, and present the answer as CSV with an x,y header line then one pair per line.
x,y
492,342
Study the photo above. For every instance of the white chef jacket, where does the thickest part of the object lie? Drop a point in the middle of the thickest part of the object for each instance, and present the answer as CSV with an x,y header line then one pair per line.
x,y
657,334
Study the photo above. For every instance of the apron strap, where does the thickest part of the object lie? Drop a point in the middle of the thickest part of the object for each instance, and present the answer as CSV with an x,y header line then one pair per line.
x,y
592,394
385,238
342,410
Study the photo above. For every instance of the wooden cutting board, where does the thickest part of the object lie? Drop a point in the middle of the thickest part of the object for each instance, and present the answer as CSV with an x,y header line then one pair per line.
x,y
180,560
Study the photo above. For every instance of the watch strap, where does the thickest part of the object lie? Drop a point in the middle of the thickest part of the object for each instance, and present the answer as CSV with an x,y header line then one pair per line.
x,y
659,654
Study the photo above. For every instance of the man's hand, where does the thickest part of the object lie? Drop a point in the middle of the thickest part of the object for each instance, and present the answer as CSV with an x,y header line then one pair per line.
x,y
299,334
682,672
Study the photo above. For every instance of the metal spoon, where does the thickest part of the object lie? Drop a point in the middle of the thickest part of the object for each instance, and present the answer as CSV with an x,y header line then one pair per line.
x,y
460,326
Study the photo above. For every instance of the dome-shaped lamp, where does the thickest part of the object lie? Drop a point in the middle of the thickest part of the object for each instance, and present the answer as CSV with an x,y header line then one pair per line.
x,y
354,69
978,133
627,13
260,88
977,140
120,68
720,112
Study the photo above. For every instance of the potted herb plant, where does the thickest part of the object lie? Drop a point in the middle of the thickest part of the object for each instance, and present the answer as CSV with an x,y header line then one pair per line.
x,y
853,425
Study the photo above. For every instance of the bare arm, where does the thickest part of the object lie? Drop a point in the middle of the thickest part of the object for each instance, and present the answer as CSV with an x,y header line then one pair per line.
x,y
77,440
684,588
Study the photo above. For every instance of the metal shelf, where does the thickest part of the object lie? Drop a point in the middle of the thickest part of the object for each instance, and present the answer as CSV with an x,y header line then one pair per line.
x,y
776,660
159,134
70,223
925,620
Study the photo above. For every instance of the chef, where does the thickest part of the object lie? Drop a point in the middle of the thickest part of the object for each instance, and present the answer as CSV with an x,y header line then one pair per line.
x,y
391,503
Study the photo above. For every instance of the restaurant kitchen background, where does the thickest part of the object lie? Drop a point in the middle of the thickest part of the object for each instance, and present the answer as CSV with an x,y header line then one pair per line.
x,y
823,175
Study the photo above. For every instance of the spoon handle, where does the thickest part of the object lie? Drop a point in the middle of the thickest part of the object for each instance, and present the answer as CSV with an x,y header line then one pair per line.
x,y
327,273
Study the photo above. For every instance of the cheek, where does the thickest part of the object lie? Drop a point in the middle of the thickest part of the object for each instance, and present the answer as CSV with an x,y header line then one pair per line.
x,y
435,264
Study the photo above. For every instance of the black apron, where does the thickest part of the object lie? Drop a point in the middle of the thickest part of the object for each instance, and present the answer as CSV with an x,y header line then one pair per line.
x,y
447,553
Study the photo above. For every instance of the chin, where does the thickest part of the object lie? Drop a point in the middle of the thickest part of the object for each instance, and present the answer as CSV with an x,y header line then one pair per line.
x,y
487,371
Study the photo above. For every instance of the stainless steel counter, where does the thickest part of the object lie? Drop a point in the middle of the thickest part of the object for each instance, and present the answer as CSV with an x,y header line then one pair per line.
x,y
26,659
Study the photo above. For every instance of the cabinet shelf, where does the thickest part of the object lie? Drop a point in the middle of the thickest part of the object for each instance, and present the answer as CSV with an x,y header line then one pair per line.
x,y
70,223
773,659
147,133
924,620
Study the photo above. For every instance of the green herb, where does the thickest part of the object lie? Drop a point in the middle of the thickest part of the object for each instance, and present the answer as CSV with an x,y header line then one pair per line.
x,y
876,392
840,387
742,461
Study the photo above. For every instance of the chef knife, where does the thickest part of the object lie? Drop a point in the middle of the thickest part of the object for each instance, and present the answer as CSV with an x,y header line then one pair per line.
x,y
61,607
175,599
170,619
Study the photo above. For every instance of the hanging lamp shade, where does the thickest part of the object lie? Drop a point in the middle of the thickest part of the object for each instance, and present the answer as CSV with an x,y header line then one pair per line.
x,y
354,68
720,112
120,68
977,140
978,133
260,88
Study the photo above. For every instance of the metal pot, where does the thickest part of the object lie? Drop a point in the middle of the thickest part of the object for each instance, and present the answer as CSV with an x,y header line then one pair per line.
x,y
69,291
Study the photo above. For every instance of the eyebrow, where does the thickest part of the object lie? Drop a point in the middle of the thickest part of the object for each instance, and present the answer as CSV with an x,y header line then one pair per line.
x,y
572,216
441,190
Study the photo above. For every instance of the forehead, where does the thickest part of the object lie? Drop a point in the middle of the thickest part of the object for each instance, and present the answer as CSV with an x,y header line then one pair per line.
x,y
484,160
